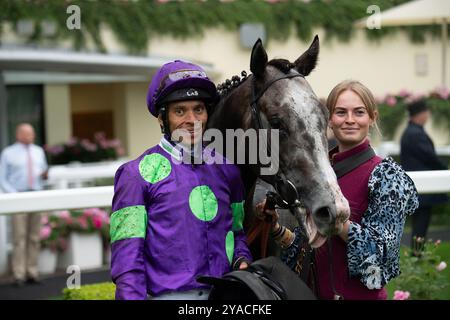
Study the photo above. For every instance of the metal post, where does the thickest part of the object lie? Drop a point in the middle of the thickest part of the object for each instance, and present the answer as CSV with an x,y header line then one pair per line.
x,y
3,143
3,114
444,52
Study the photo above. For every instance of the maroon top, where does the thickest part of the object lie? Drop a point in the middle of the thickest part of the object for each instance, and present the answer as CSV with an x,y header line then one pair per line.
x,y
354,186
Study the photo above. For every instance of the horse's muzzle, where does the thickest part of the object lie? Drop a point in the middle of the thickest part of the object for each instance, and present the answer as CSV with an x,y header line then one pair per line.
x,y
325,218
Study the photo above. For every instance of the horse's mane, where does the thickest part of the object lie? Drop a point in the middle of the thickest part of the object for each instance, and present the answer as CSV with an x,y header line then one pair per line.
x,y
281,64
228,85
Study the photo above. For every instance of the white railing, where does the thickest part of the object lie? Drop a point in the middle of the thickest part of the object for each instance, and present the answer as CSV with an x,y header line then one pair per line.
x,y
391,148
77,198
59,177
64,176
53,200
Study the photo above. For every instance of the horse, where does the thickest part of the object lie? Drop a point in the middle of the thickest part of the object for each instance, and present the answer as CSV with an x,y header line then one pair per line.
x,y
277,96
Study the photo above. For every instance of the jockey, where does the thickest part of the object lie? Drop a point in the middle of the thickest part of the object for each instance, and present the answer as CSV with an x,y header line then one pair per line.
x,y
172,220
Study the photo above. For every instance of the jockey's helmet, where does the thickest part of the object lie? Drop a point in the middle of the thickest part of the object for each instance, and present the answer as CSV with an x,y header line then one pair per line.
x,y
178,81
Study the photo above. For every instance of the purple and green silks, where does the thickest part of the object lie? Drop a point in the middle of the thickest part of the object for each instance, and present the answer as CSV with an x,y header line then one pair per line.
x,y
172,222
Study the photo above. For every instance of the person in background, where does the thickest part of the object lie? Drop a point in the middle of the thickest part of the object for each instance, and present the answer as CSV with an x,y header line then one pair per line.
x,y
417,153
23,166
359,261
176,217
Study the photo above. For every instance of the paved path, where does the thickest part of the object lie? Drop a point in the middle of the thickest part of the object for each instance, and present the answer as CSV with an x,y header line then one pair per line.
x,y
50,286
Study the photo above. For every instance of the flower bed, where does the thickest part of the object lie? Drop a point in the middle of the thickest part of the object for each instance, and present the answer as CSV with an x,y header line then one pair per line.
x,y
422,276
84,150
64,232
392,109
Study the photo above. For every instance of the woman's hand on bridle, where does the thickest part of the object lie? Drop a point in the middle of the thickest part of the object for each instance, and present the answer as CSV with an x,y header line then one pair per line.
x,y
266,214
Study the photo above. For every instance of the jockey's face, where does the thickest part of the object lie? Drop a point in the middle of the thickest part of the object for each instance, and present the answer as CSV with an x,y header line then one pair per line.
x,y
187,119
350,120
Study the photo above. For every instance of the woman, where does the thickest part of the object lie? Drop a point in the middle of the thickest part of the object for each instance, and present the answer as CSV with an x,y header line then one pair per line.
x,y
359,261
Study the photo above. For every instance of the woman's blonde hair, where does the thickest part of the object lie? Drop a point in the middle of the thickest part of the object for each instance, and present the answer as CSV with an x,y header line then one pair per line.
x,y
362,91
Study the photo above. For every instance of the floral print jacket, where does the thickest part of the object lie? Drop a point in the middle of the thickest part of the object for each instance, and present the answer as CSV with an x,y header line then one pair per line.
x,y
373,246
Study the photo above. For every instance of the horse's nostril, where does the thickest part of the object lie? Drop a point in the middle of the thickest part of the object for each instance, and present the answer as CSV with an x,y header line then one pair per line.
x,y
324,215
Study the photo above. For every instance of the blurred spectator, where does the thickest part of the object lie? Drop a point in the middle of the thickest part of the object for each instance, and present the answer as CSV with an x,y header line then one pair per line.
x,y
22,168
417,153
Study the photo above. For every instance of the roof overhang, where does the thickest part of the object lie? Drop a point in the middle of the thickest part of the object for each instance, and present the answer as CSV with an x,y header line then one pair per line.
x,y
88,65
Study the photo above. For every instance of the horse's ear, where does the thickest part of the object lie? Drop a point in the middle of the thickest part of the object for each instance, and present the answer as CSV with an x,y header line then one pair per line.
x,y
258,59
308,60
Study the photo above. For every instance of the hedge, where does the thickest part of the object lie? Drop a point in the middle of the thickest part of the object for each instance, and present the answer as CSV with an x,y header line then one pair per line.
x,y
98,291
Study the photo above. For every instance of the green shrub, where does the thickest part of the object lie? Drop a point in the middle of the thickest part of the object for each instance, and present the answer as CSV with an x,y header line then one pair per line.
x,y
422,271
98,291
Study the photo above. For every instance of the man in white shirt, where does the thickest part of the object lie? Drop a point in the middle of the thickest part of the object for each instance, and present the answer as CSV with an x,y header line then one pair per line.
x,y
23,166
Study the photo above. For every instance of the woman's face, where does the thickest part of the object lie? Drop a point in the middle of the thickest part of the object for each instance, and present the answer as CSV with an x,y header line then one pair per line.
x,y
350,120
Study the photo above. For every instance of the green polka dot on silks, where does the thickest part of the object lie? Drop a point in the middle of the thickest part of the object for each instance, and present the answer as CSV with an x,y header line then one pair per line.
x,y
229,245
203,203
154,168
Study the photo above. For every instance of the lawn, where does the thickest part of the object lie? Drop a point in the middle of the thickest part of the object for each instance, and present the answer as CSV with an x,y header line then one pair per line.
x,y
444,252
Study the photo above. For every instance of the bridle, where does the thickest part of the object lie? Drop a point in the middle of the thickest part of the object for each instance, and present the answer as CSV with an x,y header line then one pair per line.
x,y
286,195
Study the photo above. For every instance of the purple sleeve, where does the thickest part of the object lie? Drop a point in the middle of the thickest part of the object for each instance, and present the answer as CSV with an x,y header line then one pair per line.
x,y
238,196
127,259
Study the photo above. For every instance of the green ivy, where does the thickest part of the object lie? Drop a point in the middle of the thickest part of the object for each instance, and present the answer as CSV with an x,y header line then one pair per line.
x,y
135,22
390,118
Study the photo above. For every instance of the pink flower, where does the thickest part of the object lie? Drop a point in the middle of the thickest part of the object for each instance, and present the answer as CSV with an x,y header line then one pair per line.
x,y
441,266
44,219
65,215
89,212
72,141
414,97
443,93
401,295
438,242
54,150
115,143
391,101
89,146
99,136
45,232
404,93
97,221
83,222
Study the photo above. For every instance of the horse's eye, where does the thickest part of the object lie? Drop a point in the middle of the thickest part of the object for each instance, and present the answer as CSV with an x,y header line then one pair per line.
x,y
276,123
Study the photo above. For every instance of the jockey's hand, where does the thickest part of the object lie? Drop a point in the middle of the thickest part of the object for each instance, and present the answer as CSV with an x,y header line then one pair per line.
x,y
243,265
267,214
